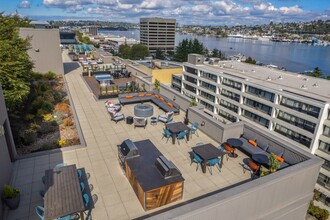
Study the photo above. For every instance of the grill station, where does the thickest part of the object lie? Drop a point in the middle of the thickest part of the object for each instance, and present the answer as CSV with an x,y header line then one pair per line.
x,y
127,150
166,168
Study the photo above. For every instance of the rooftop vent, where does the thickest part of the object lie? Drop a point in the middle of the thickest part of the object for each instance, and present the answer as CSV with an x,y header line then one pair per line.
x,y
316,85
304,87
280,77
305,79
268,78
253,71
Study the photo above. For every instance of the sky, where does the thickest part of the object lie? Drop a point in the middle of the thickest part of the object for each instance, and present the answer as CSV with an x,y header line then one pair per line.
x,y
198,12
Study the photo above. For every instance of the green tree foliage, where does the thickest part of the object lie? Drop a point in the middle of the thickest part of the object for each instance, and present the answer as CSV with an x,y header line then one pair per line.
x,y
160,54
317,72
136,52
157,84
186,47
317,212
83,39
15,65
250,60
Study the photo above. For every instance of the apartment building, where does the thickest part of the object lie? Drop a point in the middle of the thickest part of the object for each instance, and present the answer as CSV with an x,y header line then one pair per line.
x,y
293,107
158,33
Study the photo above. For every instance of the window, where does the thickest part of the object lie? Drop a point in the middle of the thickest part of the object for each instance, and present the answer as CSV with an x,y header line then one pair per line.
x,y
259,106
230,95
326,131
256,118
261,93
324,147
301,107
306,141
207,96
191,70
190,88
232,83
299,122
209,76
207,105
326,164
229,105
227,116
177,81
208,86
190,79
323,180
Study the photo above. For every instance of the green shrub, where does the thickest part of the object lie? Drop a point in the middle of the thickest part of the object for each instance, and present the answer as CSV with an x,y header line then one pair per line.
x,y
9,192
36,76
47,127
28,136
40,104
50,75
59,95
29,117
317,212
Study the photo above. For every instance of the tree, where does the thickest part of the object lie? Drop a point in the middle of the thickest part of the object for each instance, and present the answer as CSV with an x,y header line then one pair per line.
x,y
157,84
186,47
317,72
250,60
139,51
160,54
125,51
215,52
15,65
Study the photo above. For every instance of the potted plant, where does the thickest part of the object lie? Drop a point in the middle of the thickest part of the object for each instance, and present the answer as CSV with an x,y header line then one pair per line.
x,y
274,164
10,196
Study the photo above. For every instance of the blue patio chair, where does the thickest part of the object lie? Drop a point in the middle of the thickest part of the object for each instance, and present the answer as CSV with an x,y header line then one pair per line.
x,y
181,135
196,159
42,194
86,200
166,134
194,128
40,212
80,173
60,165
222,148
214,162
82,186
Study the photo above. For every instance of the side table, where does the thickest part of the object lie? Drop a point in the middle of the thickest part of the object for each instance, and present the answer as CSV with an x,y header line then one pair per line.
x,y
129,120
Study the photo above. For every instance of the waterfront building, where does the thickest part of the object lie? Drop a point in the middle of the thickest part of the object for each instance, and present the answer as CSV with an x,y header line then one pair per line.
x,y
67,37
45,49
92,30
291,106
158,33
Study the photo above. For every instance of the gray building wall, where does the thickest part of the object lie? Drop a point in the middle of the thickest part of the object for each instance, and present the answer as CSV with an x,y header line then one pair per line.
x,y
7,148
45,49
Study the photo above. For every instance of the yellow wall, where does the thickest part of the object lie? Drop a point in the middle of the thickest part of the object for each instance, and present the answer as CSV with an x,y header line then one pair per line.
x,y
165,75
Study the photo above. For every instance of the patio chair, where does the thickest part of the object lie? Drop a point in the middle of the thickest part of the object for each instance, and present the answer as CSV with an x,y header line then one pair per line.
x,y
40,212
140,122
82,186
60,165
196,159
222,148
69,217
166,117
42,194
181,135
194,128
214,162
116,116
251,166
166,134
229,149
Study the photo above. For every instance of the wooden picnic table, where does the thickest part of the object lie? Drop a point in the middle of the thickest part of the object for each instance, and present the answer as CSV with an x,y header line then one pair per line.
x,y
63,195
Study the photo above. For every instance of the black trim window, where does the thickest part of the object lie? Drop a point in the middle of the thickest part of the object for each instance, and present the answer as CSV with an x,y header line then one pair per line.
x,y
190,79
227,116
256,118
208,86
299,122
189,87
261,93
301,107
323,180
259,106
326,131
209,76
230,95
207,105
302,139
232,83
207,96
229,105
191,70
324,147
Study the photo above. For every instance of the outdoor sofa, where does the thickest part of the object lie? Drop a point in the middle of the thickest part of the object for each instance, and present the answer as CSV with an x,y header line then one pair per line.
x,y
161,101
266,147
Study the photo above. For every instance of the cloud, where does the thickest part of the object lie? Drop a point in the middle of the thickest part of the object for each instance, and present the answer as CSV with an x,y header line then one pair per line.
x,y
24,4
218,12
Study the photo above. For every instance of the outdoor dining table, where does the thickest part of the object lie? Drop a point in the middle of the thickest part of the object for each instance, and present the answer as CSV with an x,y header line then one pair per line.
x,y
234,143
62,193
177,127
207,152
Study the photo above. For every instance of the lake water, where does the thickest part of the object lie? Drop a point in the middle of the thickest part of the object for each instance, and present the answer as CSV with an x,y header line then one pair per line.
x,y
294,57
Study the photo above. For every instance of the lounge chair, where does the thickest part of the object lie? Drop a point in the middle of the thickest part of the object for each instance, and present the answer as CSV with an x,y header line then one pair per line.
x,y
140,122
166,117
116,116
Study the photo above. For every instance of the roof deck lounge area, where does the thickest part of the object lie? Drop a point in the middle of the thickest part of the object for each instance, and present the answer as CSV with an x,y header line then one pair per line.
x,y
284,194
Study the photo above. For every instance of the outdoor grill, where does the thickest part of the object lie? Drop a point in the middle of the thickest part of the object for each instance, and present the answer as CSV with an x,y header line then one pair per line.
x,y
127,150
166,168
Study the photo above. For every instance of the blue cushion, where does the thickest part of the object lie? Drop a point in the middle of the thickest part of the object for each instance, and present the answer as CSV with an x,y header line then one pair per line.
x,y
292,158
249,148
249,136
276,150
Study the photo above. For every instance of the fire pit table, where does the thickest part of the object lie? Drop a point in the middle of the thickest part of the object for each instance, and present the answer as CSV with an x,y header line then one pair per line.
x,y
143,110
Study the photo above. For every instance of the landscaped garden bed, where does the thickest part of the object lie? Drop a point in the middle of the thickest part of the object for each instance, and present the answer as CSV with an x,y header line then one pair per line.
x,y
47,121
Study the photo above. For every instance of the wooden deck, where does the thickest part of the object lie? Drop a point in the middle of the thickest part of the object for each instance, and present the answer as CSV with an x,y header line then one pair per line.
x,y
95,86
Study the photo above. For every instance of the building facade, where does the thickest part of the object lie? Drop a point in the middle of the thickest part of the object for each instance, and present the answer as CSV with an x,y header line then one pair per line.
x,y
158,33
45,49
293,107
92,30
